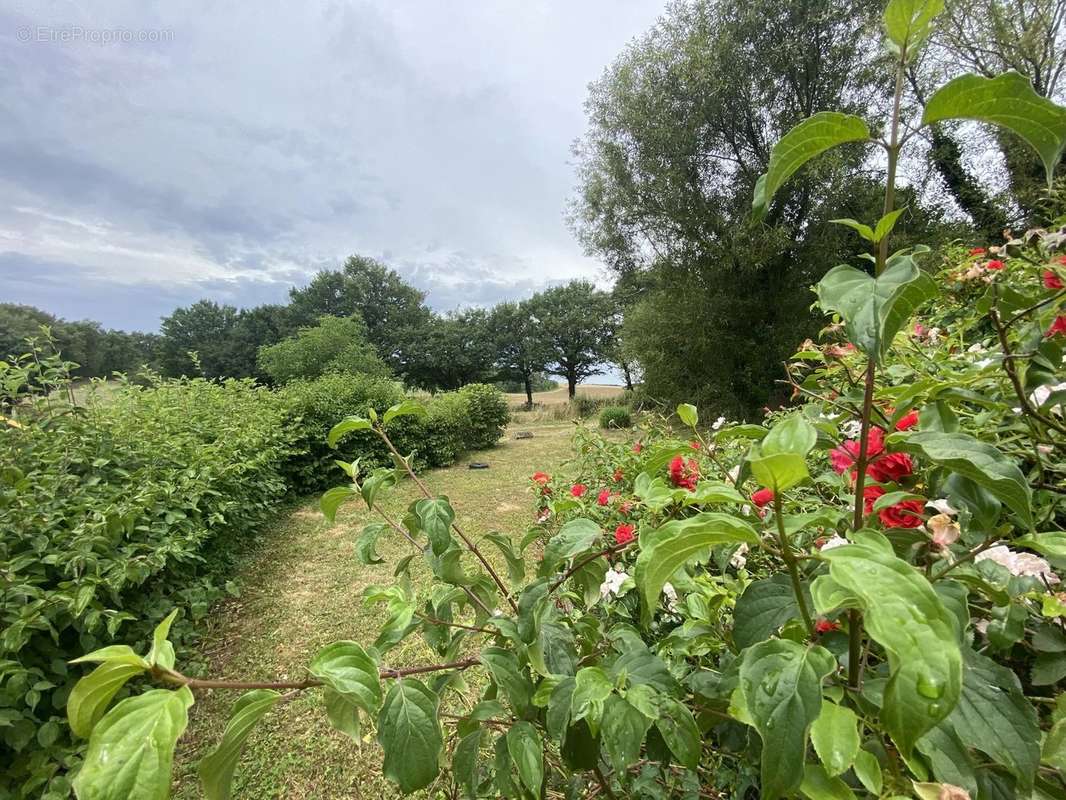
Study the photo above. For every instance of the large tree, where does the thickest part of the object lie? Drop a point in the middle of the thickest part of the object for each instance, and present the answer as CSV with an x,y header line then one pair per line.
x,y
579,323
450,351
335,344
205,329
521,344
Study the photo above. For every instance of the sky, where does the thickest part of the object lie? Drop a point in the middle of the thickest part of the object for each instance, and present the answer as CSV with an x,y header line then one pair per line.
x,y
153,154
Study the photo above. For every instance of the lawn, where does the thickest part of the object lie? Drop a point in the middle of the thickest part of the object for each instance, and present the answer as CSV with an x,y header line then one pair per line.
x,y
302,589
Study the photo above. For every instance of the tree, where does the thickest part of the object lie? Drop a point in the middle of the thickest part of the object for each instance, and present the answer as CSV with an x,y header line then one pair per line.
x,y
389,306
578,322
204,328
335,344
522,347
256,328
449,351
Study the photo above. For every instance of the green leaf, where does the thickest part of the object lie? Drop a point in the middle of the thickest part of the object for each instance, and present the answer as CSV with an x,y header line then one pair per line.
x,y
346,425
516,566
711,493
408,408
381,479
670,546
909,22
688,414
436,517
113,654
503,666
574,538
820,785
352,673
886,224
622,731
591,688
980,462
217,767
162,651
527,754
90,696
779,472
555,652
764,607
792,435
1051,544
132,748
366,544
332,499
835,736
874,310
865,231
868,771
1008,101
680,731
410,735
465,763
810,138
782,686
908,619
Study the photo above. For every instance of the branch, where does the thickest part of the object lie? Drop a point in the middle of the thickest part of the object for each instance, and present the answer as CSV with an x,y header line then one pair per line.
x,y
1008,366
614,548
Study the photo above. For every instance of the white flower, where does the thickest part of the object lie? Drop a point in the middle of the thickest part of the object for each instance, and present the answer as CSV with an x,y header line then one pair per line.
x,y
933,335
738,561
835,541
945,531
851,429
943,506
1019,563
612,582
1042,393
734,473
982,626
985,362
671,596
718,423
977,347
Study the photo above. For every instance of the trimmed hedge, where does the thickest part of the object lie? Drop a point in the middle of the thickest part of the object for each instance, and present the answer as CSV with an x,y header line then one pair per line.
x,y
615,417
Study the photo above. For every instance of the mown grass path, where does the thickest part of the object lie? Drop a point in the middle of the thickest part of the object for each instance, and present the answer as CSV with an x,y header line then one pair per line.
x,y
302,588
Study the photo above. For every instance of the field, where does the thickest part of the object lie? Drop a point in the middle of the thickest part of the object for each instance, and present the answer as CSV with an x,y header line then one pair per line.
x,y
598,391
303,589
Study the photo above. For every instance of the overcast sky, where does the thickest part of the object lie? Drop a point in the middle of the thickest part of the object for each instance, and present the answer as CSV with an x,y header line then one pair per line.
x,y
233,153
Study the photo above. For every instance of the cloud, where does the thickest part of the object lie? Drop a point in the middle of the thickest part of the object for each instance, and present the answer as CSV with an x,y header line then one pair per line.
x,y
260,142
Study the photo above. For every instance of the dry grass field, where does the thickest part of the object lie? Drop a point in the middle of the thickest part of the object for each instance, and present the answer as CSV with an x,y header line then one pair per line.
x,y
559,396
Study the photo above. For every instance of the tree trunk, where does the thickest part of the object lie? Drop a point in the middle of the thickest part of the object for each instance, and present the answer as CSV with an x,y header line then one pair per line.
x,y
571,384
628,377
529,391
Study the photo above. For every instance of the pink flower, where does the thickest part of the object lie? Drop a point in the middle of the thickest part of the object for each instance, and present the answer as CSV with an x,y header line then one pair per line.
x,y
684,473
625,507
541,478
578,489
994,264
907,421
694,445
618,475
907,514
1052,281
637,447
843,457
623,534
762,497
890,467
977,251
603,498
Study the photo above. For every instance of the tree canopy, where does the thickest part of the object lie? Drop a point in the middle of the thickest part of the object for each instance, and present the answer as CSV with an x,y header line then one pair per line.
x,y
335,344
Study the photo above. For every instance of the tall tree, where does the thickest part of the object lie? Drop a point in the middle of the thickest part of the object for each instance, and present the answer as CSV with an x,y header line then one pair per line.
x,y
204,328
522,348
335,344
579,324
450,351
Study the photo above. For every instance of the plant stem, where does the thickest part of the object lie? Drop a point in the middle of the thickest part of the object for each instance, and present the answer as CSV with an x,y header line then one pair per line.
x,y
604,783
792,564
614,548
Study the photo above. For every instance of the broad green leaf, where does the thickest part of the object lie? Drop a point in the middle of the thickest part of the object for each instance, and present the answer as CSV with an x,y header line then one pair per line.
x,y
835,736
865,231
641,666
502,767
555,651
780,471
713,492
1053,752
217,767
680,731
366,544
408,408
90,696
764,607
1051,544
909,22
1008,101
332,500
993,716
132,748
346,425
436,516
591,688
379,481
886,224
162,651
622,731
654,492
875,309
688,414
558,717
574,538
980,462
342,713
516,566
810,138
352,673
113,654
410,735
792,435
670,546
868,771
503,667
527,754
782,688
465,763
903,613
820,785
949,760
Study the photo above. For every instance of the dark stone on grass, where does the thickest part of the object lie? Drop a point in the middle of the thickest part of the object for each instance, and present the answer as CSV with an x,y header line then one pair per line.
x,y
524,435
477,465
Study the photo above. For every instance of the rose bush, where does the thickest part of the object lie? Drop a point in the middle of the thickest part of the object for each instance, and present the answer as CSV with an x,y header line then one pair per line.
x,y
858,597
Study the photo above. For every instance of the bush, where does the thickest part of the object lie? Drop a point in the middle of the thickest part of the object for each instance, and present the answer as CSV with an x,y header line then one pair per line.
x,y
336,344
445,429
488,414
615,417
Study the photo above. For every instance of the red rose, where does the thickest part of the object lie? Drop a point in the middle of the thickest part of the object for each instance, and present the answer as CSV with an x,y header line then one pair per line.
x,y
623,534
902,515
890,467
578,489
823,625
907,421
1058,327
1052,281
637,447
977,251
603,498
684,473
618,475
847,454
994,264
762,497
869,497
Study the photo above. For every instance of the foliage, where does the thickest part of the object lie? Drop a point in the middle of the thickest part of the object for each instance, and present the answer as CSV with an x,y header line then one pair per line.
x,y
522,352
578,322
335,344
487,414
615,417
450,351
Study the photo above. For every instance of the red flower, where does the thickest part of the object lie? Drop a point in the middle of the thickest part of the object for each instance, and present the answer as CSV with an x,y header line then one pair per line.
x,y
869,497
618,475
994,264
907,421
694,445
684,473
977,251
847,454
762,497
623,534
919,329
890,467
541,478
578,489
823,625
625,507
902,515
1058,327
637,447
1051,280
603,498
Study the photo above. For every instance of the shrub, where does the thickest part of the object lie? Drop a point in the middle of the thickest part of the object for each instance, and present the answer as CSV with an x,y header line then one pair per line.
x,y
336,344
615,417
445,429
488,414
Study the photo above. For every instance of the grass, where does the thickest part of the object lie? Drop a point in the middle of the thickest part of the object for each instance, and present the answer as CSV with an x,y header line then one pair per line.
x,y
302,588
559,396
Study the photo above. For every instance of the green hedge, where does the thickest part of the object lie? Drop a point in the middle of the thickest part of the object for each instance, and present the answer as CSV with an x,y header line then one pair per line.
x,y
487,414
615,417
